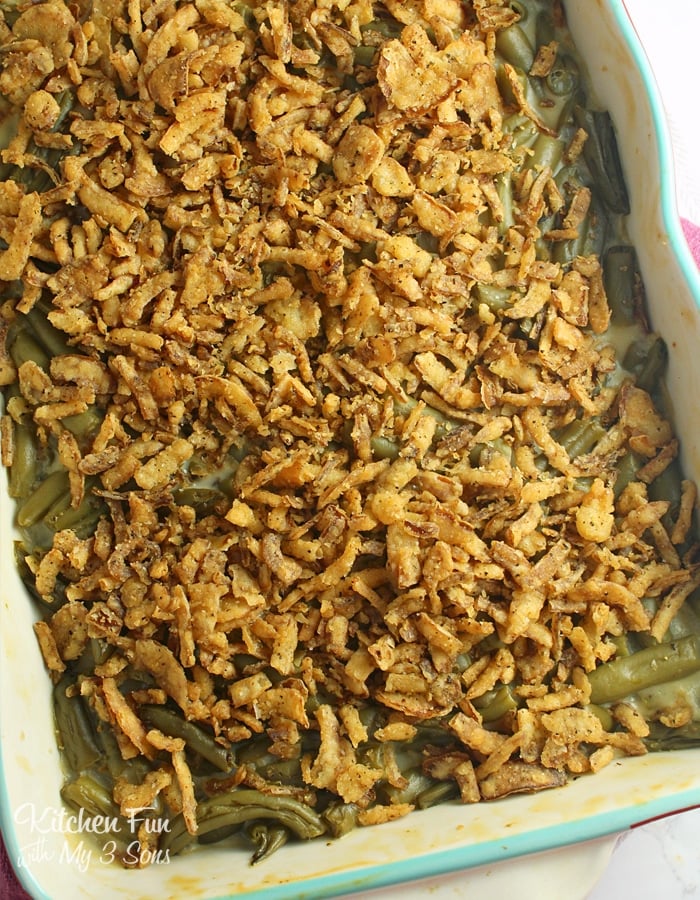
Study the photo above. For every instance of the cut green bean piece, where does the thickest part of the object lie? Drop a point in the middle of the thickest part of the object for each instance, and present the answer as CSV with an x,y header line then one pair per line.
x,y
383,447
131,770
196,739
627,470
545,31
653,665
547,152
622,284
437,793
76,733
603,714
81,519
495,298
496,703
681,693
203,500
520,8
86,792
54,488
364,54
267,838
514,47
24,469
523,131
26,348
581,436
416,783
387,28
603,159
85,424
240,806
52,339
341,818
646,359
563,78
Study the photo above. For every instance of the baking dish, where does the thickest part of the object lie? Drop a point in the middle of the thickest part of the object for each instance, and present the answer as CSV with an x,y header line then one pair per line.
x,y
449,837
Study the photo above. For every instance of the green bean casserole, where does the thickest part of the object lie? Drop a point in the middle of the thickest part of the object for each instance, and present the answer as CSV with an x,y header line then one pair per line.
x,y
345,477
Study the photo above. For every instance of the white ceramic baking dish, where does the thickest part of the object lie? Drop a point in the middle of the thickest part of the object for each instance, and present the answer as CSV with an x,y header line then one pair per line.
x,y
54,865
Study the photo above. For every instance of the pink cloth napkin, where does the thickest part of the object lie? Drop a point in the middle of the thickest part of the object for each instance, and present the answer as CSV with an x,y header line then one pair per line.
x,y
692,236
10,888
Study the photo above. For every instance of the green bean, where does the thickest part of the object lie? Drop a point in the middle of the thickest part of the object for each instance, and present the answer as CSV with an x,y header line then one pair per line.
x,y
668,485
25,348
545,31
24,468
341,818
523,130
384,447
565,252
481,454
10,10
496,703
564,106
416,783
505,86
650,666
88,793
85,424
96,652
196,738
520,8
591,237
287,771
428,241
246,12
76,733
364,54
684,623
204,500
627,470
580,436
568,179
113,763
52,339
444,423
240,806
603,714
387,28
563,78
439,792
54,488
652,702
603,159
91,795
622,280
646,359
39,172
495,298
267,839
622,645
81,519
515,48
547,152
